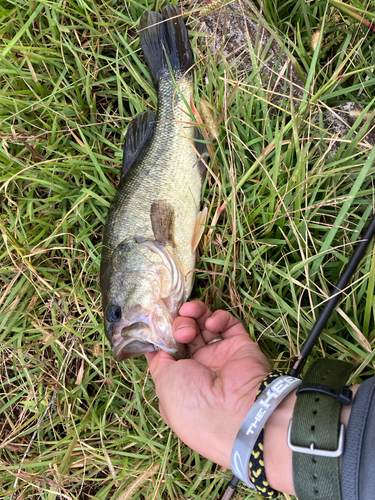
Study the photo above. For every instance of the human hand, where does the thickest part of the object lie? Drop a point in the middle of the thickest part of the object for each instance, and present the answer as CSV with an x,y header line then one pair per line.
x,y
206,398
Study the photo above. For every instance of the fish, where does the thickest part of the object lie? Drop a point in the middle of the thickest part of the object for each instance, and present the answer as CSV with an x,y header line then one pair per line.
x,y
154,222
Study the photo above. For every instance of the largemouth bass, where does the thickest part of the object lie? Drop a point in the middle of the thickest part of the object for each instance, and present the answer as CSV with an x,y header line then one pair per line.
x,y
154,224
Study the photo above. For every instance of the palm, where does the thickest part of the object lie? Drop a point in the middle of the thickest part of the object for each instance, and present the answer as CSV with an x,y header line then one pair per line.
x,y
217,384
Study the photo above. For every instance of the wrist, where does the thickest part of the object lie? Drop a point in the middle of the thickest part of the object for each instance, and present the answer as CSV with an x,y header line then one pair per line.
x,y
277,456
247,461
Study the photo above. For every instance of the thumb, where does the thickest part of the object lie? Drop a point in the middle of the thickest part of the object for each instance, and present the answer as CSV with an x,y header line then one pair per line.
x,y
158,362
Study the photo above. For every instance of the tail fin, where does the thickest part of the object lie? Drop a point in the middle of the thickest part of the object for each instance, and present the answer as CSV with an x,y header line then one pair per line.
x,y
165,34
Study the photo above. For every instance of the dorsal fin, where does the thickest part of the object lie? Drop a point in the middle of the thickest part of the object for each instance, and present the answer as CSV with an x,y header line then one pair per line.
x,y
138,136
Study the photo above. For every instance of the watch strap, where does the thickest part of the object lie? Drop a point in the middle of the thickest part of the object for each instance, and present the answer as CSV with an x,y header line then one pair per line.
x,y
316,431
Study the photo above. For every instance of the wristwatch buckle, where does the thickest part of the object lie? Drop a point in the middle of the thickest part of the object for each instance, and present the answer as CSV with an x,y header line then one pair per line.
x,y
316,451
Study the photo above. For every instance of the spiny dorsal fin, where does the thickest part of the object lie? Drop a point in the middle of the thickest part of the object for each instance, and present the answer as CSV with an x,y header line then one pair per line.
x,y
138,136
162,221
199,228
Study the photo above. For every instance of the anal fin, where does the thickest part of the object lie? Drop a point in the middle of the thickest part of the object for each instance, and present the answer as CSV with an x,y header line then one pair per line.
x,y
199,228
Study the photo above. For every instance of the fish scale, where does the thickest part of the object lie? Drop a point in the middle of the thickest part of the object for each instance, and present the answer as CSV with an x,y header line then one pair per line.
x,y
166,173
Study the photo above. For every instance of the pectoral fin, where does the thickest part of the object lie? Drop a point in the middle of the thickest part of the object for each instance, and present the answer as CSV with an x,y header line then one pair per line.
x,y
199,228
138,136
162,221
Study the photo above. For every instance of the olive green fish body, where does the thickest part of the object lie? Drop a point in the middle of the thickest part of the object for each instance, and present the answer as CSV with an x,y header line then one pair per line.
x,y
151,230
168,172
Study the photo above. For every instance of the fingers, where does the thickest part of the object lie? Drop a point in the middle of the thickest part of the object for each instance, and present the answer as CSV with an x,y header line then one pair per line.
x,y
197,325
207,322
185,329
226,324
197,310
188,333
189,327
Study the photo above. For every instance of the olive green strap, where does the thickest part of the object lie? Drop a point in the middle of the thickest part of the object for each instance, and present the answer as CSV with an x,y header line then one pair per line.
x,y
316,430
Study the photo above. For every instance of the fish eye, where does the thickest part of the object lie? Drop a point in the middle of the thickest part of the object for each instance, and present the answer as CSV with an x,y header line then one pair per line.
x,y
114,314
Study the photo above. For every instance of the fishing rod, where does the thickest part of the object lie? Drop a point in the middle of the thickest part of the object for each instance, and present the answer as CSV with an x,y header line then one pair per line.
x,y
320,323
331,304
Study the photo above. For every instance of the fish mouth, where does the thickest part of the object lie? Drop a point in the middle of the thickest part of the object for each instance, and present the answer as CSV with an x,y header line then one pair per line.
x,y
132,341
137,339
129,348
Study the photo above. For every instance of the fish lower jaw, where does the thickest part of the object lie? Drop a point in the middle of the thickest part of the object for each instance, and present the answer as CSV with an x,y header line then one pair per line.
x,y
129,348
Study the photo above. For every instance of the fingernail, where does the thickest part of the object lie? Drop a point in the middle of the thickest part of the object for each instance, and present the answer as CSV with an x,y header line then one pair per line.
x,y
185,325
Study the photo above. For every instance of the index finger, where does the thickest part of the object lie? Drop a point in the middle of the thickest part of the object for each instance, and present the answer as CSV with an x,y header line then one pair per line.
x,y
198,310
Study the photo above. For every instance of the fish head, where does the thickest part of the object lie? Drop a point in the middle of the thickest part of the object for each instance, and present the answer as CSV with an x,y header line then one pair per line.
x,y
144,288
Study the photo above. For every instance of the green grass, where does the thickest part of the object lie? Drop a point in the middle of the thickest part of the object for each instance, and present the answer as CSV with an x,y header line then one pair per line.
x,y
72,77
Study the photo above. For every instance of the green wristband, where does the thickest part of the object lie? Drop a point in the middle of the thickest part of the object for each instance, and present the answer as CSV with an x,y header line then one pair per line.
x,y
315,434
